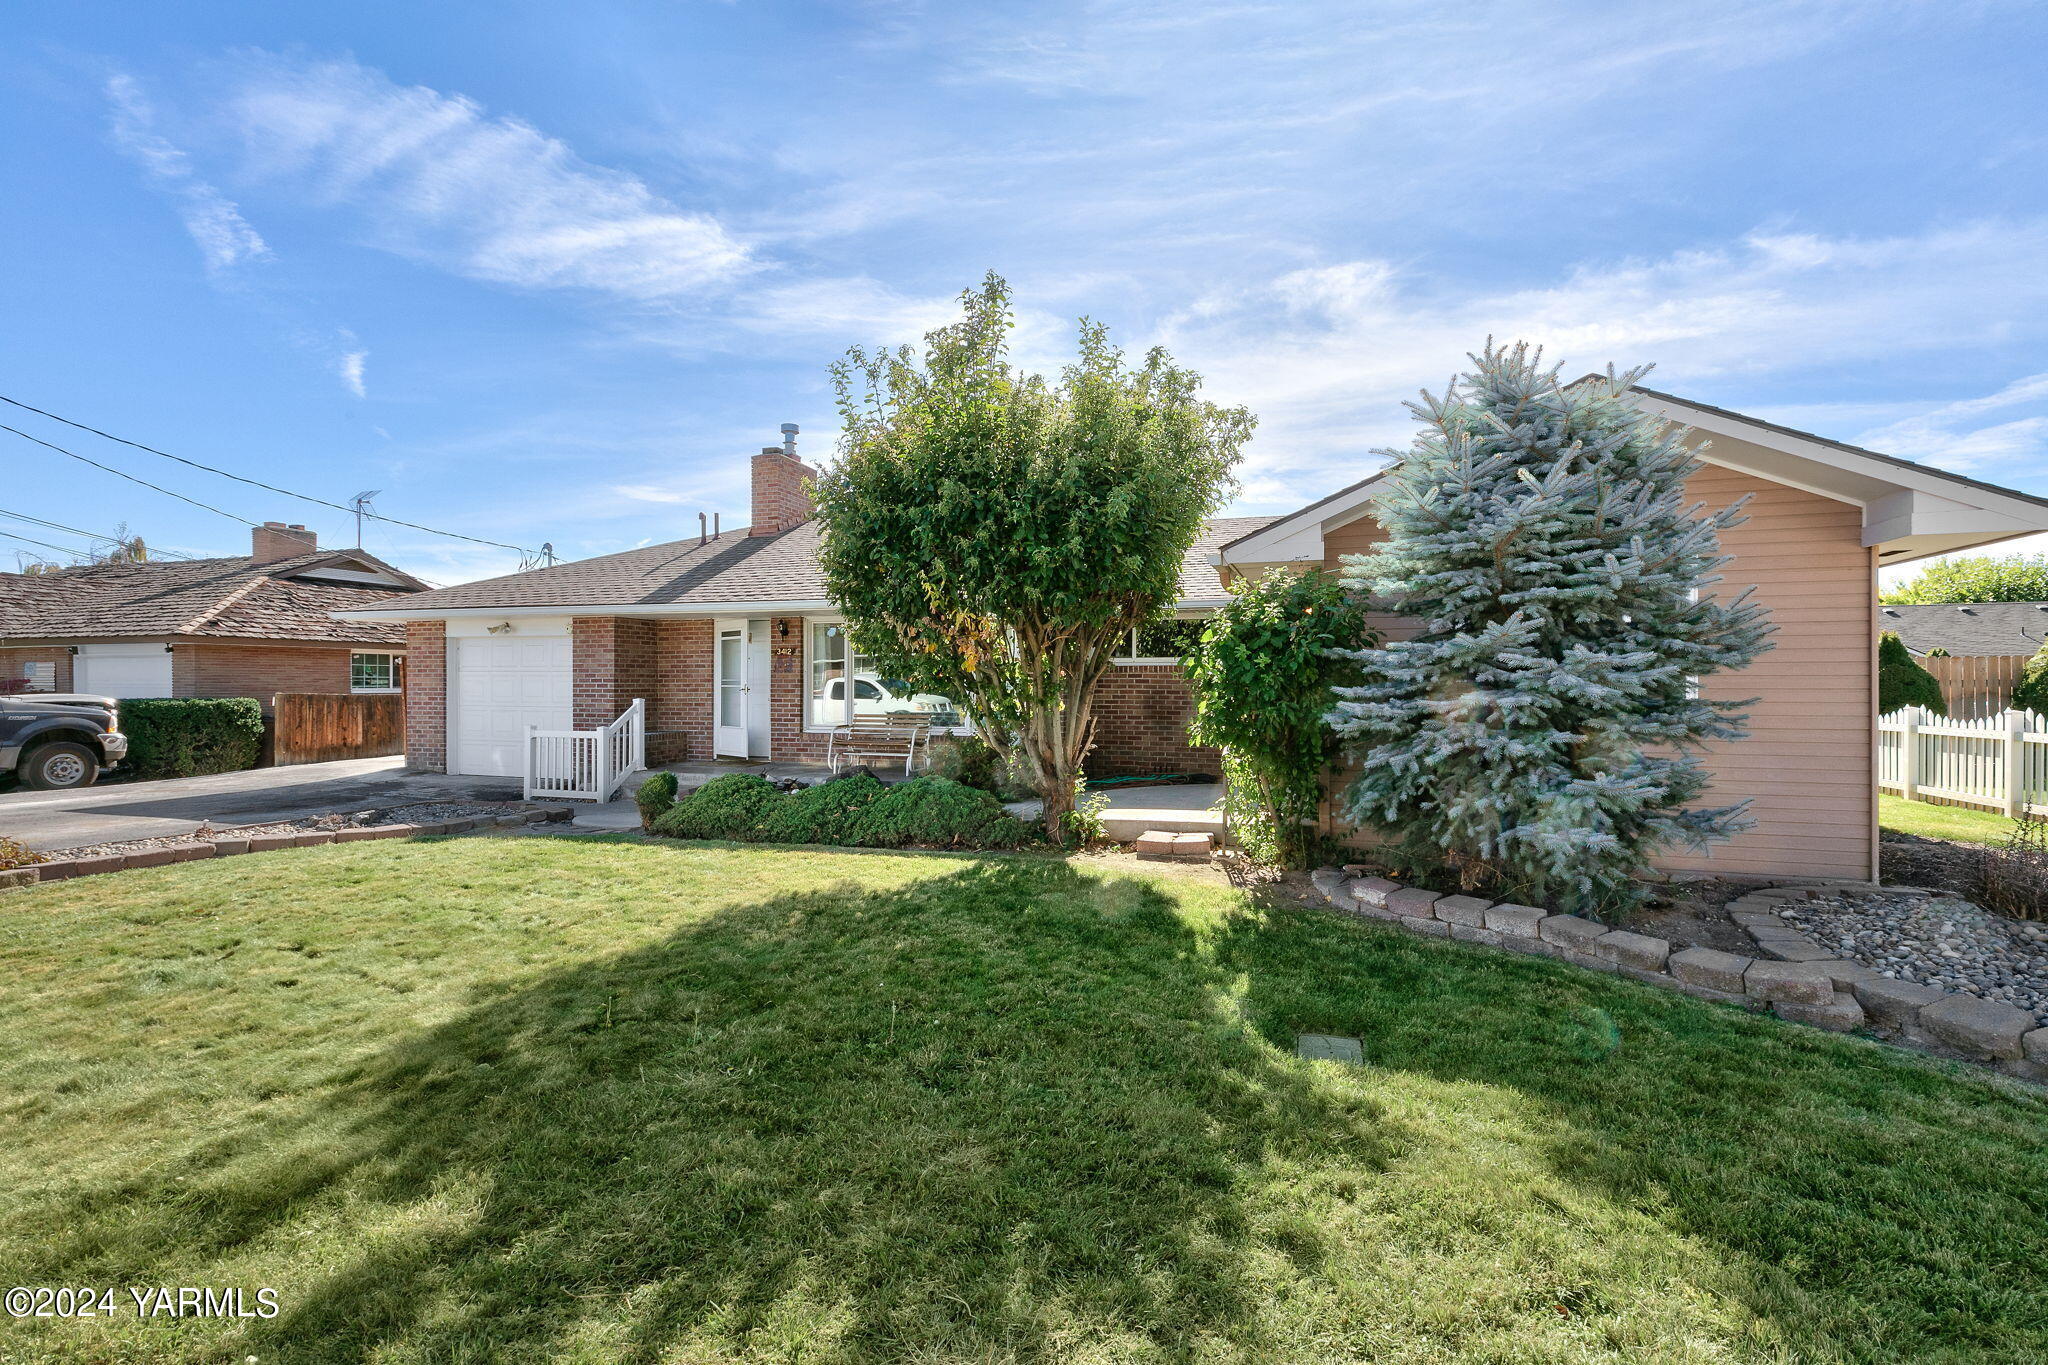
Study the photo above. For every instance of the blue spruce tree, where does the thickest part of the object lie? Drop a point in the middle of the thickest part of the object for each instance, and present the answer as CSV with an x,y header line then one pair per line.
x,y
1538,737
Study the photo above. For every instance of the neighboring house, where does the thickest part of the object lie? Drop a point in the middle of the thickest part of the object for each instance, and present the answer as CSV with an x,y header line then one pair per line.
x,y
1985,647
248,626
1969,629
1823,516
739,653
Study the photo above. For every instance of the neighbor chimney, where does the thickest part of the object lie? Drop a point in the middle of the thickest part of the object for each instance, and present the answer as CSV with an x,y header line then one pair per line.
x,y
274,540
782,487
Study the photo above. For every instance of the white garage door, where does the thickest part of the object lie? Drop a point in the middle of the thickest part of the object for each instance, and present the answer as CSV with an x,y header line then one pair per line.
x,y
122,671
503,685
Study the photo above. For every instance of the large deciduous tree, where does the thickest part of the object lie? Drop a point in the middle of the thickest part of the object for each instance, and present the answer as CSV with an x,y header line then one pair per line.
x,y
994,536
1537,737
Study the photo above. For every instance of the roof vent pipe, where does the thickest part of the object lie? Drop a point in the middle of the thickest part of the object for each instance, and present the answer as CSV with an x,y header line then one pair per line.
x,y
700,529
714,525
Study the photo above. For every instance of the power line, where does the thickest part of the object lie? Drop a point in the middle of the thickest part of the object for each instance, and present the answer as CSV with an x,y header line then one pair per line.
x,y
61,549
81,531
255,483
130,477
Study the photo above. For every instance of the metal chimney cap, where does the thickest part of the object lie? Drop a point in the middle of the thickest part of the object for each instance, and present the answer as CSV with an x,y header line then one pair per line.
x,y
789,428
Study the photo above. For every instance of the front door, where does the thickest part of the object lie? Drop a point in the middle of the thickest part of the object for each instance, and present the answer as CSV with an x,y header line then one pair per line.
x,y
731,691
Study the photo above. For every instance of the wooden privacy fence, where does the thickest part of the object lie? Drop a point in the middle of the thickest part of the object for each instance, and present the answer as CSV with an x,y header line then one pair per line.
x,y
1976,686
316,727
1999,762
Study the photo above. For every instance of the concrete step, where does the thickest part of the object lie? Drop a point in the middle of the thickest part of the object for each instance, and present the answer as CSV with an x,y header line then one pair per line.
x,y
1124,824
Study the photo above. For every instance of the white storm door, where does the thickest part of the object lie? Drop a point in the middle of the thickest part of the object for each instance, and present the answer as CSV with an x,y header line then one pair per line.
x,y
122,671
502,685
730,691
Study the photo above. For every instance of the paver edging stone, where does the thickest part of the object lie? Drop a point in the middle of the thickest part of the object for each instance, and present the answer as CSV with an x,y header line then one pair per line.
x,y
63,869
1829,992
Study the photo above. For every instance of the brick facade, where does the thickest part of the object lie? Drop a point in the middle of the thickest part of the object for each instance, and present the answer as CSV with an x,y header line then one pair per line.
x,y
221,668
426,696
13,657
229,669
679,707
781,492
1142,712
1141,727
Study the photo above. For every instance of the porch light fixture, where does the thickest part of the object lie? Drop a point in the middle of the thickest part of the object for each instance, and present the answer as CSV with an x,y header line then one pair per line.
x,y
502,628
782,628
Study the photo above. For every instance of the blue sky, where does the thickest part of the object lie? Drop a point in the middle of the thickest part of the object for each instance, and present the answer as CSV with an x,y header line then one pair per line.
x,y
552,272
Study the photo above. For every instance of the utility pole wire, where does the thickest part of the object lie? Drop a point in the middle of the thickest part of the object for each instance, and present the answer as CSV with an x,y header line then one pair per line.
x,y
130,477
253,483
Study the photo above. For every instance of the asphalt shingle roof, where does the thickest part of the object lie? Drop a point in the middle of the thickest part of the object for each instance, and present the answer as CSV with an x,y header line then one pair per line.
x,y
1968,628
231,598
735,568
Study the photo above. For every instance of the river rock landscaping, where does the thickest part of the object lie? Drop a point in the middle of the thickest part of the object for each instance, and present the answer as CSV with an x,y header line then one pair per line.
x,y
1909,934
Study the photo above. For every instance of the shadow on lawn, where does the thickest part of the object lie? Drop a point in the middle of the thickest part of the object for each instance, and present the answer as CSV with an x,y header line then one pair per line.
x,y
900,1122
1873,1204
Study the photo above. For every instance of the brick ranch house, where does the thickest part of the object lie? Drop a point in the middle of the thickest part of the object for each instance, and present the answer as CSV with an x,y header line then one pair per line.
x,y
733,644
246,626
738,652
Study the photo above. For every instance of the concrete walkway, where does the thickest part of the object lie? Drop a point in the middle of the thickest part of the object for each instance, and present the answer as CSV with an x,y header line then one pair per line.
x,y
1193,809
179,805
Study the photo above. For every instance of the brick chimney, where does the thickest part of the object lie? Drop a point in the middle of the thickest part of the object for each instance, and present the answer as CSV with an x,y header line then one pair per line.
x,y
782,487
274,540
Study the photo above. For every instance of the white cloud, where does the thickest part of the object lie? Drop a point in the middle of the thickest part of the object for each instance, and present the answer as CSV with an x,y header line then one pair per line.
x,y
439,179
351,370
224,237
1954,436
1325,355
647,492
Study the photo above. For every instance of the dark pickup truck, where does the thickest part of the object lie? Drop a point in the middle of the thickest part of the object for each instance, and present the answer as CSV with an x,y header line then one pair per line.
x,y
57,740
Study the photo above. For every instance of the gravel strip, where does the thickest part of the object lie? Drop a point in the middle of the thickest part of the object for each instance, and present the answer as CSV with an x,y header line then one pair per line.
x,y
1935,939
417,813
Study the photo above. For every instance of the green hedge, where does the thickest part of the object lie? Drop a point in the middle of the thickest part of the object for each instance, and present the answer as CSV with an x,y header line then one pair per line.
x,y
191,736
853,811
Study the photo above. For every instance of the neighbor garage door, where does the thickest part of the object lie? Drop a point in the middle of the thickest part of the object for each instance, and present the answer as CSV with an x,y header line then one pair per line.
x,y
122,671
502,685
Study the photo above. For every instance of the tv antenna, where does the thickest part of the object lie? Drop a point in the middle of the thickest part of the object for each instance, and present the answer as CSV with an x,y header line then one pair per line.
x,y
361,503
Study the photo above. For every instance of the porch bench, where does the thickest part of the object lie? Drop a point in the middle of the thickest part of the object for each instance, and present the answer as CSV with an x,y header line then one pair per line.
x,y
885,737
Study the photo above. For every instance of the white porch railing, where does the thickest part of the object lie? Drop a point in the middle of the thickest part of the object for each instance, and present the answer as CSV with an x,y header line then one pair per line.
x,y
587,765
1999,762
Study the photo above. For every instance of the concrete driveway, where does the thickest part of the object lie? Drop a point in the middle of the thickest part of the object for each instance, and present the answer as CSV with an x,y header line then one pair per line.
x,y
143,810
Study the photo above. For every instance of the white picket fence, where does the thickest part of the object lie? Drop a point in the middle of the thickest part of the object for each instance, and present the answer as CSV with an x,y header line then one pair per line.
x,y
587,765
1999,761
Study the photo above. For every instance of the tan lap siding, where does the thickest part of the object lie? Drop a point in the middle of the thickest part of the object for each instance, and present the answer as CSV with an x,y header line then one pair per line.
x,y
1807,766
1808,762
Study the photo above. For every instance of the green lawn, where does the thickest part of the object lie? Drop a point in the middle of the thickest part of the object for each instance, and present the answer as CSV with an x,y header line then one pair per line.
x,y
535,1099
1942,822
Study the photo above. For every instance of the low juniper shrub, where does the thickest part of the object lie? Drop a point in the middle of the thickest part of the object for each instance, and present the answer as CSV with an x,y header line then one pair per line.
x,y
655,796
936,812
729,807
828,813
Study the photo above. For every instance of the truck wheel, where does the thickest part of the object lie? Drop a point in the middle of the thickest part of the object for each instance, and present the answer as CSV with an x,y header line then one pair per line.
x,y
59,767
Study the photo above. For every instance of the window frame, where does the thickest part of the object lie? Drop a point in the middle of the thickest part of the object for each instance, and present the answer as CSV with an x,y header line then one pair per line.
x,y
847,699
393,665
1136,660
